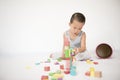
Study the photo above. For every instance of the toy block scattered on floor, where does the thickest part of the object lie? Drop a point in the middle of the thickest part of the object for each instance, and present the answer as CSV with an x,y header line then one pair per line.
x,y
93,73
62,67
91,62
47,68
98,74
44,77
73,71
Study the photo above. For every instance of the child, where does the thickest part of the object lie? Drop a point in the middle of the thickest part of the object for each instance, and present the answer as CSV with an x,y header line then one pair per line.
x,y
77,37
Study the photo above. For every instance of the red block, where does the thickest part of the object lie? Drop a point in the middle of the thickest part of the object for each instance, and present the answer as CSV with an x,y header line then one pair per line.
x,y
95,62
62,67
87,73
44,77
66,72
47,68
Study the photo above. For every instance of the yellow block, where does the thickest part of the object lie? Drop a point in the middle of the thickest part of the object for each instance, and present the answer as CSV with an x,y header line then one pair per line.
x,y
92,69
58,75
92,73
89,62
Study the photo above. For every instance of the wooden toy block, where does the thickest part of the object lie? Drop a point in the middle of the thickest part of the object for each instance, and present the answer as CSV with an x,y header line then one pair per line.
x,y
95,63
89,61
66,72
53,78
60,79
92,73
56,63
51,74
92,69
87,73
62,67
58,76
98,74
73,72
44,77
47,68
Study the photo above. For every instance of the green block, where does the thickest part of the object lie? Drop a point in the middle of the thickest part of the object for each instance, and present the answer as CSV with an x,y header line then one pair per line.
x,y
67,53
59,59
58,72
51,74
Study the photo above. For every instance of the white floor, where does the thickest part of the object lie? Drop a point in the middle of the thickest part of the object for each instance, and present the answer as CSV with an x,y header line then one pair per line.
x,y
24,68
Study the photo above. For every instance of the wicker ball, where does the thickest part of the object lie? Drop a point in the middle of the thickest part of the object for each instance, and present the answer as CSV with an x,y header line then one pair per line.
x,y
104,50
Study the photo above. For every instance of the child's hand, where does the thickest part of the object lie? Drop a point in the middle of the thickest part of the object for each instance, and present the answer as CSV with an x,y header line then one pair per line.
x,y
76,50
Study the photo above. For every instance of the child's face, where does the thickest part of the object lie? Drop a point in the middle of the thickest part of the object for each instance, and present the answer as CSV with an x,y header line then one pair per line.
x,y
75,27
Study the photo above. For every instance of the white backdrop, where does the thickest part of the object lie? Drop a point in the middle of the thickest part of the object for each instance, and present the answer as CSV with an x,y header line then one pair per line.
x,y
37,26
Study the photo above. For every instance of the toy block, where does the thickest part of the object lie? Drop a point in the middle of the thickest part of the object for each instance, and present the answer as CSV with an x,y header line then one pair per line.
x,y
87,73
28,67
44,77
60,79
89,61
57,76
47,68
58,72
67,54
92,71
56,63
53,78
98,74
95,63
59,59
62,67
73,70
51,74
66,72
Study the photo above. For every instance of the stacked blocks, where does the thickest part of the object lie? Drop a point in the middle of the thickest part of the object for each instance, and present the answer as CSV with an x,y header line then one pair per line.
x,y
67,66
69,52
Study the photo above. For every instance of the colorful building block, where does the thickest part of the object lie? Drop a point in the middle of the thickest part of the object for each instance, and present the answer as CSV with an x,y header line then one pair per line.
x,y
73,70
44,77
92,71
62,67
98,74
87,73
95,63
47,68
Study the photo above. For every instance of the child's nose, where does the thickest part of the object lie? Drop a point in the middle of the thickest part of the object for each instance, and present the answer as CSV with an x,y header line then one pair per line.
x,y
76,30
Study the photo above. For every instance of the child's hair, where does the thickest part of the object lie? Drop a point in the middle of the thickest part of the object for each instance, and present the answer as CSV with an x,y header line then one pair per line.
x,y
78,16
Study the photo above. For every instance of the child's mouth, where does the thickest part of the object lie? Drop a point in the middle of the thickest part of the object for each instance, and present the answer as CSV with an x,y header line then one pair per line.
x,y
75,33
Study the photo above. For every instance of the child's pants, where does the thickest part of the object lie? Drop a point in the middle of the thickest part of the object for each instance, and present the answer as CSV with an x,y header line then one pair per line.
x,y
80,56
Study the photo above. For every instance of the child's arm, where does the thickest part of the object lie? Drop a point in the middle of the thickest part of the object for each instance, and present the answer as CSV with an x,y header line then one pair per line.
x,y
83,44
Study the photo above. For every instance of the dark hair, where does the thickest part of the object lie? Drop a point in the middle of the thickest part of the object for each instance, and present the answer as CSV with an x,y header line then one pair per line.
x,y
78,16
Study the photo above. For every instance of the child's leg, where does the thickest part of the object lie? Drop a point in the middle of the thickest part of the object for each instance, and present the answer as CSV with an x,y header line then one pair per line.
x,y
82,56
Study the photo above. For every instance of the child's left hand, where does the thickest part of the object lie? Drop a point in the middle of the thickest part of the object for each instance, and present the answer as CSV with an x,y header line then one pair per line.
x,y
76,50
